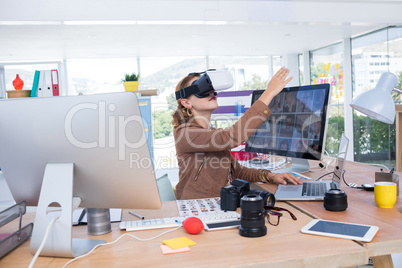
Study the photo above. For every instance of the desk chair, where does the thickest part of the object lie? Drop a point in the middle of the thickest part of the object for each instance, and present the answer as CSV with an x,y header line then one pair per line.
x,y
166,191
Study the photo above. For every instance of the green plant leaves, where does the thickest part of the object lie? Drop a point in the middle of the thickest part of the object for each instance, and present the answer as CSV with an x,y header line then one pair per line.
x,y
131,77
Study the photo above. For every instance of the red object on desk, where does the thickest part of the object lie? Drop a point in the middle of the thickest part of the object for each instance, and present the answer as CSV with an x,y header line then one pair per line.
x,y
193,225
243,155
18,84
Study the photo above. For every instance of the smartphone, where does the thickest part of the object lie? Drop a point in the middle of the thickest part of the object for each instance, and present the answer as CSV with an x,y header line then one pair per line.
x,y
221,225
368,187
352,231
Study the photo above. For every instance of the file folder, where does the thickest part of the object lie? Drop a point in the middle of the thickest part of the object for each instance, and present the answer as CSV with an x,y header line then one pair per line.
x,y
55,82
34,91
45,84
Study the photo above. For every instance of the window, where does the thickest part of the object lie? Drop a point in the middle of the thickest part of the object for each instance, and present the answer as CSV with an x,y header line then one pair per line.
x,y
164,74
99,75
301,69
327,67
250,73
375,53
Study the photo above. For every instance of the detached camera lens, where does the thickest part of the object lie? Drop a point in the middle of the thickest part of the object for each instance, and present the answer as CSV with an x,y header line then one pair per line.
x,y
252,221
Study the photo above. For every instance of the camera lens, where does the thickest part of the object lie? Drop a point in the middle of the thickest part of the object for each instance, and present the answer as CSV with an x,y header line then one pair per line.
x,y
252,222
335,200
267,198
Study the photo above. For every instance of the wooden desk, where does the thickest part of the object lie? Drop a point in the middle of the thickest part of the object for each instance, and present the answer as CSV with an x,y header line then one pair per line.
x,y
362,209
283,246
398,136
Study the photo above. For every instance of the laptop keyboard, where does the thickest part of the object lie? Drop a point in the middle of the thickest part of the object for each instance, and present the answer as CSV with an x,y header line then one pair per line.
x,y
314,189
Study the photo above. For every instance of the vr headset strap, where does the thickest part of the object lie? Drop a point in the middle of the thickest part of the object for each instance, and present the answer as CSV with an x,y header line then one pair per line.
x,y
185,92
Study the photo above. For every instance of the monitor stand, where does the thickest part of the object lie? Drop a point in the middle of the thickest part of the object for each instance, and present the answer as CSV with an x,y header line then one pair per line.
x,y
57,187
299,165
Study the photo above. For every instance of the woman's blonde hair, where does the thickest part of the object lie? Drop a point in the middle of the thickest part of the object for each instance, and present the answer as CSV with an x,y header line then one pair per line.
x,y
182,114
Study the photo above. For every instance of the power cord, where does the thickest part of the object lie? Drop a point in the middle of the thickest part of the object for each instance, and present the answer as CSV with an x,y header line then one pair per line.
x,y
354,185
110,243
350,185
374,165
42,244
322,166
326,174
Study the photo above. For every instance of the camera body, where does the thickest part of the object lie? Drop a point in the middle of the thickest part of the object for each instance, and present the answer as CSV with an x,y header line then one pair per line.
x,y
232,194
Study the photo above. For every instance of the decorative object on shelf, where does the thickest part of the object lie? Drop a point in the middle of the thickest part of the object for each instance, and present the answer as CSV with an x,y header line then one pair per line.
x,y
18,84
131,82
149,92
18,93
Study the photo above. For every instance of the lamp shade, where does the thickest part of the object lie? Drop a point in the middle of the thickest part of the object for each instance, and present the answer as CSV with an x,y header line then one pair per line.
x,y
377,103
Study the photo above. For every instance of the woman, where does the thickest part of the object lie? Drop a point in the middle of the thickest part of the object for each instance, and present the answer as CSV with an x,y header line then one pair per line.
x,y
203,153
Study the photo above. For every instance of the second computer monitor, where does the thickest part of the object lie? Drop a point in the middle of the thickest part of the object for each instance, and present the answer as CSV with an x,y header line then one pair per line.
x,y
297,126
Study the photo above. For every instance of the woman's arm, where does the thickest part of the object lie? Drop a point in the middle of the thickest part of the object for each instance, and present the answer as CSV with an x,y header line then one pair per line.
x,y
191,137
261,175
277,83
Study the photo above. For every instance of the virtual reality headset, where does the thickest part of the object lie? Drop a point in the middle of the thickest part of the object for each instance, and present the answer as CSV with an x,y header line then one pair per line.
x,y
211,80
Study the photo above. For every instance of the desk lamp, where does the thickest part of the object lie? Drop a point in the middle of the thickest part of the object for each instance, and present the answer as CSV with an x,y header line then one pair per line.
x,y
377,103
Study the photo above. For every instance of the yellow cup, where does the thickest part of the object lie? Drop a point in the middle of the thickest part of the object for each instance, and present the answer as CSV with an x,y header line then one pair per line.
x,y
385,194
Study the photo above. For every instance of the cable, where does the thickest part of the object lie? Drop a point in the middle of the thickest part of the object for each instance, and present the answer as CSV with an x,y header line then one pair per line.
x,y
110,243
329,173
321,167
49,226
374,165
352,184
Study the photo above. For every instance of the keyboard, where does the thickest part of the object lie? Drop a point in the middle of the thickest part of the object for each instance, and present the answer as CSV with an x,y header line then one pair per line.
x,y
314,189
147,224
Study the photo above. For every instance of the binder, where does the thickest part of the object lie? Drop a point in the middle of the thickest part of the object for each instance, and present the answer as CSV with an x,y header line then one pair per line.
x,y
55,82
45,84
35,84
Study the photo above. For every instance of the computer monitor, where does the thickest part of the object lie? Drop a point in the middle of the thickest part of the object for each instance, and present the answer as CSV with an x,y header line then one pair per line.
x,y
92,146
297,127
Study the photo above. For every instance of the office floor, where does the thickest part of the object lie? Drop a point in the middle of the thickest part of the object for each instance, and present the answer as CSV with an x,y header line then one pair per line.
x,y
6,200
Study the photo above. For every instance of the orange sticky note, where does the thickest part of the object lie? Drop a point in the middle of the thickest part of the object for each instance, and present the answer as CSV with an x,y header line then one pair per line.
x,y
167,250
180,242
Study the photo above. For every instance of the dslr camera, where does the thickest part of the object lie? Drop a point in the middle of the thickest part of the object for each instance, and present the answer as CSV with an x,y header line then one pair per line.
x,y
232,194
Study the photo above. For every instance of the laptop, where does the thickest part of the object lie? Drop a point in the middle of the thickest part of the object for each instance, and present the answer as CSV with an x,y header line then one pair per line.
x,y
315,190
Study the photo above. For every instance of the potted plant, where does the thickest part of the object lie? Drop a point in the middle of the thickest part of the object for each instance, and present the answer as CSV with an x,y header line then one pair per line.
x,y
131,81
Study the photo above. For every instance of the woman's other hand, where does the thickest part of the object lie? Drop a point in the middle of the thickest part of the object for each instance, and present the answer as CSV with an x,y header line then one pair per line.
x,y
277,83
285,178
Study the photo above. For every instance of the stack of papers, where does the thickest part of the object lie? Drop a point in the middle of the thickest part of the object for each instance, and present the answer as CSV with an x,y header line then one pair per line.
x,y
177,245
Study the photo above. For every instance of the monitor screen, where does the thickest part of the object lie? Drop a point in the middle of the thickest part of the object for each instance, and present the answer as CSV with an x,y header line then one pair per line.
x,y
102,135
92,147
297,126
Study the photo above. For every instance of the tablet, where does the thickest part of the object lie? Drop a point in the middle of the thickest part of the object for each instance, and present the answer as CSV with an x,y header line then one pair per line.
x,y
352,231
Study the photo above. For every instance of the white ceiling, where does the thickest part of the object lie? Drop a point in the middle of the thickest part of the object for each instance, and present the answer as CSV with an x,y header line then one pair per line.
x,y
76,29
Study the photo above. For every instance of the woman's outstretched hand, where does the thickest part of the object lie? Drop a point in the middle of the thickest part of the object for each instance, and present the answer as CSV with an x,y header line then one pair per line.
x,y
277,83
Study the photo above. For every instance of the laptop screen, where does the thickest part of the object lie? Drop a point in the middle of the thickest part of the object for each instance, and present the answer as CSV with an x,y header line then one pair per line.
x,y
340,160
